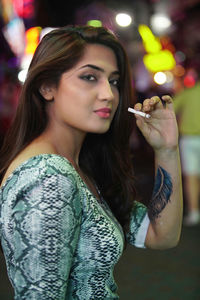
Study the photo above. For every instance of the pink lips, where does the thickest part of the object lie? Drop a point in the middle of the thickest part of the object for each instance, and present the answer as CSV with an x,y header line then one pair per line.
x,y
103,112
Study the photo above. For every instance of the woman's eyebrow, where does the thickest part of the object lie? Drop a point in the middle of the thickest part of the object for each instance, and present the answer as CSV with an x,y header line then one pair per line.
x,y
98,69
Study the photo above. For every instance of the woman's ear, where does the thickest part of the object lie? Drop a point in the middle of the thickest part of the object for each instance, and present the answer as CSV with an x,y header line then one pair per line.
x,y
47,92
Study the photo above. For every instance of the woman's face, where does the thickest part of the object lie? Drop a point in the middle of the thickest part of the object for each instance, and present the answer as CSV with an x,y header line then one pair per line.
x,y
87,96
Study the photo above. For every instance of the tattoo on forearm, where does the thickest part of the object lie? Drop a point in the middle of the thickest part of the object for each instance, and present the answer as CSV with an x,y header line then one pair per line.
x,y
161,193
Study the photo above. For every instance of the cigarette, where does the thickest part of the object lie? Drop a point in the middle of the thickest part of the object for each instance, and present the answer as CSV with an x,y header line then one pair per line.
x,y
140,113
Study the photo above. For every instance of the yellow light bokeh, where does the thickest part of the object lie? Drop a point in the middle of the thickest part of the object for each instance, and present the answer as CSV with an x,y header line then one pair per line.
x,y
156,59
160,61
145,32
32,39
151,43
152,46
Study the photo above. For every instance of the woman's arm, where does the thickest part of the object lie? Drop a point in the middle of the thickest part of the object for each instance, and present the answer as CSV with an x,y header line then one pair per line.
x,y
165,207
47,225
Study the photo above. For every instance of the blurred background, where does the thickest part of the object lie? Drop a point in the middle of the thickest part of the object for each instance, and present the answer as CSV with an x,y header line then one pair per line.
x,y
162,39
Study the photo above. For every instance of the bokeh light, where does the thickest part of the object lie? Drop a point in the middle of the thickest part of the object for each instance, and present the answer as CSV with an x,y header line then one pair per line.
x,y
32,39
150,42
169,76
161,61
94,23
179,70
180,56
189,81
22,75
123,19
160,22
160,78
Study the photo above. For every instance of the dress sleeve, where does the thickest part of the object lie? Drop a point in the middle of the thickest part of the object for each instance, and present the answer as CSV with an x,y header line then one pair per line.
x,y
47,221
139,224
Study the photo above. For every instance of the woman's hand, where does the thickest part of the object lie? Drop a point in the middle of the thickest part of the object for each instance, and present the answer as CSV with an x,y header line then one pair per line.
x,y
160,130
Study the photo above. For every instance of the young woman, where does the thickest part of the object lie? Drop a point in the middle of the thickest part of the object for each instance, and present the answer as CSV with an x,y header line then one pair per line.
x,y
67,200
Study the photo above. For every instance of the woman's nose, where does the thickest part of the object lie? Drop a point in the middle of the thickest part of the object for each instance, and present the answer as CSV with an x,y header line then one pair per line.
x,y
105,91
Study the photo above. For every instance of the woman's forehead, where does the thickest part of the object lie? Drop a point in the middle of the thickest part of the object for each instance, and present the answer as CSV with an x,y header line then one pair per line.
x,y
100,55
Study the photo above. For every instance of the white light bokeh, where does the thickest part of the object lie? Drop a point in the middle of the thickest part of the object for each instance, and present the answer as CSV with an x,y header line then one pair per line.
x,y
160,23
160,78
14,33
169,76
24,65
123,19
25,61
22,75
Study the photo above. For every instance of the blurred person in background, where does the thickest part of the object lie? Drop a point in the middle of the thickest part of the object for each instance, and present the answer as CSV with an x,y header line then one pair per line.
x,y
187,108
9,84
67,197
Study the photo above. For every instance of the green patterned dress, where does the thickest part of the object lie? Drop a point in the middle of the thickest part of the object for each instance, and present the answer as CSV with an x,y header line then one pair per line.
x,y
59,241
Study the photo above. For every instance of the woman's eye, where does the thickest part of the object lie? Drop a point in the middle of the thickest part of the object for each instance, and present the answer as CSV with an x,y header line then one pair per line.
x,y
89,77
115,82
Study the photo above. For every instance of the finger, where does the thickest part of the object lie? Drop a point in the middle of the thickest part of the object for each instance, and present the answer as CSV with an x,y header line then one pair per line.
x,y
138,106
168,101
156,102
146,102
147,107
152,103
142,125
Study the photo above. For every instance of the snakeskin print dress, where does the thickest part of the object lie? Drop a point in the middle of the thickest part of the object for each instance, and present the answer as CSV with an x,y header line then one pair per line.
x,y
58,240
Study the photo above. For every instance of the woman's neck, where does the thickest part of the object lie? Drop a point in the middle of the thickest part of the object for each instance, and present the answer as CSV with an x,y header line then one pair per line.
x,y
66,143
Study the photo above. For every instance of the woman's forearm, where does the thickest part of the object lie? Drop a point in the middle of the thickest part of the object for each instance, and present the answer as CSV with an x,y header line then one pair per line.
x,y
165,208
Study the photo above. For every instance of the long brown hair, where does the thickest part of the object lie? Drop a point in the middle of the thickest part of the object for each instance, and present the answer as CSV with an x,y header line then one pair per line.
x,y
104,157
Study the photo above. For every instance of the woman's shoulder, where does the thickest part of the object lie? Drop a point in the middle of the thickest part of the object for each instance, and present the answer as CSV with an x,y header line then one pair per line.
x,y
37,167
38,155
49,163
